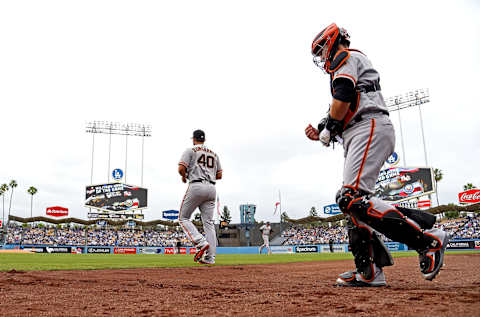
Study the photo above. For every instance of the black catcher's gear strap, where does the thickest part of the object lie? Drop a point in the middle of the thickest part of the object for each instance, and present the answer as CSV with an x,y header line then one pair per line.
x,y
425,219
334,126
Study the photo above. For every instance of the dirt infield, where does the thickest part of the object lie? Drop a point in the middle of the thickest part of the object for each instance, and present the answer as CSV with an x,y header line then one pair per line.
x,y
298,289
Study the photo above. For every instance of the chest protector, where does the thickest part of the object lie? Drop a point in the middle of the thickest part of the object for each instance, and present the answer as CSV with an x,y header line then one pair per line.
x,y
338,61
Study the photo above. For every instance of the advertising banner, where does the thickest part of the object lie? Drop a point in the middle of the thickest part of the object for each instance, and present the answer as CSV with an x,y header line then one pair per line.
x,y
416,204
469,197
336,248
170,214
332,209
150,250
115,197
192,251
57,211
461,244
49,249
452,245
103,250
306,249
35,249
105,215
281,249
124,250
77,250
169,250
397,184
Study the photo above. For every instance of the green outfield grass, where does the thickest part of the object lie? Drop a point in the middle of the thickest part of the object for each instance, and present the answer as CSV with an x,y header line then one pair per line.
x,y
39,262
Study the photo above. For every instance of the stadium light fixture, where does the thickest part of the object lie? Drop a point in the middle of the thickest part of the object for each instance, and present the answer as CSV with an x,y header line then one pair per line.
x,y
117,128
410,99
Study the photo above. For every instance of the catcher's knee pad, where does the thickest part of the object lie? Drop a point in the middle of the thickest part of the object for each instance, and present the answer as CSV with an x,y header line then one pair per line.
x,y
347,196
367,250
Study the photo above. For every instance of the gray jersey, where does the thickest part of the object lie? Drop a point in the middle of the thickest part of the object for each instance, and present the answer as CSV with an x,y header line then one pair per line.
x,y
360,71
265,229
201,163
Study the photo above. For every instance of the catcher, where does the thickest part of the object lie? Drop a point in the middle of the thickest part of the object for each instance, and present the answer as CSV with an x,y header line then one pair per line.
x,y
359,116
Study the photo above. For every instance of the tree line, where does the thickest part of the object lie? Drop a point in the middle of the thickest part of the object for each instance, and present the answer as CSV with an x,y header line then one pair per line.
x,y
5,188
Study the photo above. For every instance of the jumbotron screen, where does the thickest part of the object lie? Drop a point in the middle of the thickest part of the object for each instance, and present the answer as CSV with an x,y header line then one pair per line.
x,y
115,197
399,183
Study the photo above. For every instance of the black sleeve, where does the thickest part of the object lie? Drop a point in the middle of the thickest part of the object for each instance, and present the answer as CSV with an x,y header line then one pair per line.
x,y
343,89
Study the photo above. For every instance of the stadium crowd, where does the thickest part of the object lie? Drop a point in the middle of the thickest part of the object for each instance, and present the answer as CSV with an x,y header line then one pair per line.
x,y
299,235
467,227
462,228
94,236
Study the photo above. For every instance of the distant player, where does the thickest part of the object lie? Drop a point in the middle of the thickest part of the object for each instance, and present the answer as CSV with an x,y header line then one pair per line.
x,y
178,245
266,231
201,167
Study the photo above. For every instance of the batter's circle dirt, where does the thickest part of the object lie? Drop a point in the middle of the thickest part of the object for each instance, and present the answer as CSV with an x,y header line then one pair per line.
x,y
298,289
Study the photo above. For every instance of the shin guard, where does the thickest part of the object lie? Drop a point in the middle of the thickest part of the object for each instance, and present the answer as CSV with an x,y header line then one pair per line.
x,y
368,250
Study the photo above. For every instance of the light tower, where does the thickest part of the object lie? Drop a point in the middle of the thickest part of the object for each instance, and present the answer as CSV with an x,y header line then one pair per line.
x,y
126,129
410,99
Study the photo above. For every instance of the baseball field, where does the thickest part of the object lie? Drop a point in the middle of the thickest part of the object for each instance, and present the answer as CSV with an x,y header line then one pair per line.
x,y
246,285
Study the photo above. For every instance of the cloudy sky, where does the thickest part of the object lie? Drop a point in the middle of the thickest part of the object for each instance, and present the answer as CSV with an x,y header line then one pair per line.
x,y
239,70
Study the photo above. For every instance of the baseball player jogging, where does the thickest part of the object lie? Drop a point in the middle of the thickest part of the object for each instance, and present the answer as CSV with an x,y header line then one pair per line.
x,y
266,229
201,167
359,116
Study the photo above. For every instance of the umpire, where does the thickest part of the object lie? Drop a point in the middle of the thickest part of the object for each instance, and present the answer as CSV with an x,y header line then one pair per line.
x,y
358,114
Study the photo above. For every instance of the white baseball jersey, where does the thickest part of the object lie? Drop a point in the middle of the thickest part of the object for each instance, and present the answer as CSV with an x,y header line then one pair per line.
x,y
201,163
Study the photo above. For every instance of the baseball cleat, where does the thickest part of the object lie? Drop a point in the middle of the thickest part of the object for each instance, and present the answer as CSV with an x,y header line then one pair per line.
x,y
207,260
353,279
431,260
202,248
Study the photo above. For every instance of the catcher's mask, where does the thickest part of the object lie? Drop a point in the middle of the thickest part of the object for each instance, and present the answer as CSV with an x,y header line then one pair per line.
x,y
325,45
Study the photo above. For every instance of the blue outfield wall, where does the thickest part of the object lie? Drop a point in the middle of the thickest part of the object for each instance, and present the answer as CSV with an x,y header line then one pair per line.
x,y
460,244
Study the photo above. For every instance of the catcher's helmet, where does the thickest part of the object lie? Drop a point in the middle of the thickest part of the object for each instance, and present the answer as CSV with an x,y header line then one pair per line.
x,y
325,44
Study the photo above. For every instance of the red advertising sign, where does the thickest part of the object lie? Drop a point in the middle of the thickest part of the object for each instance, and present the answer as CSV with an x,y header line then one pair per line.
x,y
424,203
192,251
57,211
124,250
469,197
169,251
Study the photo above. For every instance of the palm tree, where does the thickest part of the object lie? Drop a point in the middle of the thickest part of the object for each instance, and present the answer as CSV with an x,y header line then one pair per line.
x,y
32,191
3,214
469,186
4,190
13,184
438,174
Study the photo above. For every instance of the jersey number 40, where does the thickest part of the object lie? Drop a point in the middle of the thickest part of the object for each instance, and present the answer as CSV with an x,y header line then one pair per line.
x,y
207,160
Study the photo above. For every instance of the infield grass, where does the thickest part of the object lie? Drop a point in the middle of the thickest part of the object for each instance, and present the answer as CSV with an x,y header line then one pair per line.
x,y
40,262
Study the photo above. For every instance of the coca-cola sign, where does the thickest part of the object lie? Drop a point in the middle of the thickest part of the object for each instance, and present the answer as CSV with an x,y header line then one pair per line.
x,y
57,211
469,197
